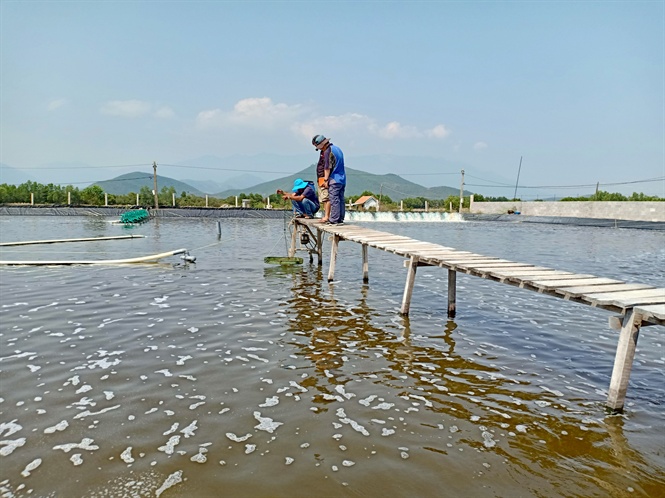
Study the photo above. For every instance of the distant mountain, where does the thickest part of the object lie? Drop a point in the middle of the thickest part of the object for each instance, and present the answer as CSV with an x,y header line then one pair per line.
x,y
132,182
207,186
13,176
237,182
394,186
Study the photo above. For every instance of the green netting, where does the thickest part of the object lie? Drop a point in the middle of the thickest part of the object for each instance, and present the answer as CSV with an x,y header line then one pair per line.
x,y
135,216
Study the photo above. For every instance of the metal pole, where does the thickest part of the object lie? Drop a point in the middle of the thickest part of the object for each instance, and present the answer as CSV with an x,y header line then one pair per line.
x,y
461,193
154,168
518,179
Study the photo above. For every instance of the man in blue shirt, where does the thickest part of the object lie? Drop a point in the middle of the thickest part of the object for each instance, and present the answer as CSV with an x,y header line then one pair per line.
x,y
303,199
334,177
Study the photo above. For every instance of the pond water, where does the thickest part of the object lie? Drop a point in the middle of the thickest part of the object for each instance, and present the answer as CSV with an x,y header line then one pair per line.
x,y
230,377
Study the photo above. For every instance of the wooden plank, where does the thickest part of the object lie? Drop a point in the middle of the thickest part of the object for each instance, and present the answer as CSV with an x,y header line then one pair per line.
x,y
572,282
522,274
452,293
466,261
650,292
564,275
653,311
626,299
588,289
499,265
408,286
623,362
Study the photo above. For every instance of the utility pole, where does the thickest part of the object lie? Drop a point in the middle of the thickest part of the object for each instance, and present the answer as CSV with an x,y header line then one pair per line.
x,y
597,185
518,179
154,168
461,193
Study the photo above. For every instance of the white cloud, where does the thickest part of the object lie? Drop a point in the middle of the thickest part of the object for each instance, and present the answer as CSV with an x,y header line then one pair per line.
x,y
302,121
252,113
396,130
439,131
480,146
56,104
164,112
126,108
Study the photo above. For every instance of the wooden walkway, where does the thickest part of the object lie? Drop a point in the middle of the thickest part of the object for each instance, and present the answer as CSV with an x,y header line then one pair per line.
x,y
638,305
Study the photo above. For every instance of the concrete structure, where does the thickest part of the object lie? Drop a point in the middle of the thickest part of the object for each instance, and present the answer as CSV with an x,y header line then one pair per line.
x,y
612,210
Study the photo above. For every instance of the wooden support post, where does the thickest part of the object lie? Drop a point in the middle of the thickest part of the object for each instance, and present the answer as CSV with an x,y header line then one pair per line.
x,y
408,287
623,361
365,265
333,257
452,293
106,199
294,238
319,246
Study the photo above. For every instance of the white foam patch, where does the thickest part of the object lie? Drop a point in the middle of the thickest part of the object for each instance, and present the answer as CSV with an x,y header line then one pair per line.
x,y
368,400
237,439
17,355
170,481
270,402
126,456
356,426
173,428
182,359
9,428
9,446
256,357
76,459
383,406
31,467
200,456
87,413
85,444
190,429
340,390
170,445
60,426
266,424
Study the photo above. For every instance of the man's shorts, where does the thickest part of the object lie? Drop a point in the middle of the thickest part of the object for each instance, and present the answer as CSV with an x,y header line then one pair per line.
x,y
323,192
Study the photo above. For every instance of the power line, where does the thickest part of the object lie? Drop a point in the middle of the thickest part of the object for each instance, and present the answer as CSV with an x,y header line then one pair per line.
x,y
86,167
588,185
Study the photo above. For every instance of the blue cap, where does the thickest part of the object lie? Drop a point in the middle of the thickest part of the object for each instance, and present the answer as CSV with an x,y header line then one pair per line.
x,y
299,184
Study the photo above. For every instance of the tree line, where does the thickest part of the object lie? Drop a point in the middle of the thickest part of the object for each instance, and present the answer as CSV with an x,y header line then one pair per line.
x,y
94,195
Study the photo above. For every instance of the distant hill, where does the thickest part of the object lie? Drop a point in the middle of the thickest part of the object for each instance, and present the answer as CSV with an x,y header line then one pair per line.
x,y
394,186
237,182
132,182
13,176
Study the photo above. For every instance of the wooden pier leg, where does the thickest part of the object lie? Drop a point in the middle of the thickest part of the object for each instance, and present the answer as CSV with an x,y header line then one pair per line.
x,y
623,361
319,246
365,265
294,238
333,258
452,293
408,288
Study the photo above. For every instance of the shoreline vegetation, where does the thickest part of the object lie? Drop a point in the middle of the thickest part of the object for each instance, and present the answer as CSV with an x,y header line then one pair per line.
x,y
52,195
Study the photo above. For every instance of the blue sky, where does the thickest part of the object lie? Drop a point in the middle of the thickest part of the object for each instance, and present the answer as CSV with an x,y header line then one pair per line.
x,y
576,89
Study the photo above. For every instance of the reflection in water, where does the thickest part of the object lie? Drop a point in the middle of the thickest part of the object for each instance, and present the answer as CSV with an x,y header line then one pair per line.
x,y
344,335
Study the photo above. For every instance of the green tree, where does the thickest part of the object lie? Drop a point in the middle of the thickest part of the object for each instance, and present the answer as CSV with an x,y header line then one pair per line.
x,y
93,196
